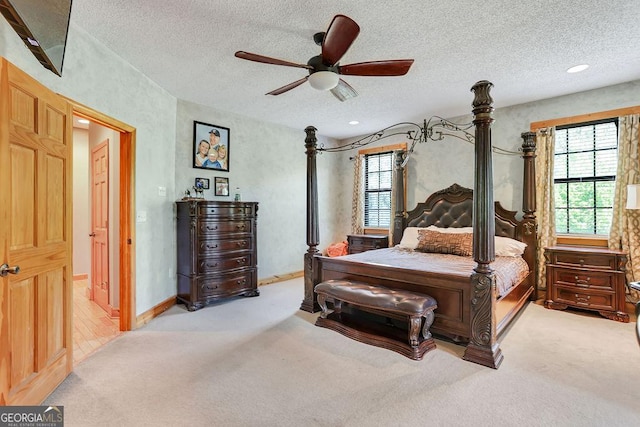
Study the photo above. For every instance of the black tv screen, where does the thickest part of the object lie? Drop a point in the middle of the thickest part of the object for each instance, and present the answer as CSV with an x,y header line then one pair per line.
x,y
42,25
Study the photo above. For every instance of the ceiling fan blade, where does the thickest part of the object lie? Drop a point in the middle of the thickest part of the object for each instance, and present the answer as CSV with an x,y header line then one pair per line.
x,y
266,60
339,36
393,67
344,91
288,87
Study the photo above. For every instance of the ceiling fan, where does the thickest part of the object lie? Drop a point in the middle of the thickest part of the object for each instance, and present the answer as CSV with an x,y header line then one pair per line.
x,y
324,69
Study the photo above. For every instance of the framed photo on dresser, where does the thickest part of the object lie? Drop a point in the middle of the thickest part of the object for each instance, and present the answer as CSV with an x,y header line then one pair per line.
x,y
211,146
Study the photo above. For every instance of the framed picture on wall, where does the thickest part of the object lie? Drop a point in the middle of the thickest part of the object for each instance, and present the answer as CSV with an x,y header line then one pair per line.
x,y
211,146
222,186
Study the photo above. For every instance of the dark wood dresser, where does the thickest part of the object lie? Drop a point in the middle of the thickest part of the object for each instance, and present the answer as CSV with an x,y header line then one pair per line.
x,y
590,278
365,242
217,256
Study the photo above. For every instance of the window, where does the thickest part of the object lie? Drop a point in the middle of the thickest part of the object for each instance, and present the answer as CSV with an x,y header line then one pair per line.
x,y
378,175
585,164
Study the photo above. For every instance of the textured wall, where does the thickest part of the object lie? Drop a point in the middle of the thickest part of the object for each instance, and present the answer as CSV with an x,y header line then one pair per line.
x,y
436,165
96,77
268,163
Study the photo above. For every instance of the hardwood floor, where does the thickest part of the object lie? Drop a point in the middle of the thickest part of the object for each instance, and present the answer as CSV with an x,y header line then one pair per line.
x,y
92,327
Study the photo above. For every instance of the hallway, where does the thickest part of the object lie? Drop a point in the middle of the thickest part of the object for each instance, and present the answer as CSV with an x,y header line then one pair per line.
x,y
92,327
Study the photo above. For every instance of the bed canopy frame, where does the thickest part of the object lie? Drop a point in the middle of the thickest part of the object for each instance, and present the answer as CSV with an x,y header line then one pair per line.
x,y
483,347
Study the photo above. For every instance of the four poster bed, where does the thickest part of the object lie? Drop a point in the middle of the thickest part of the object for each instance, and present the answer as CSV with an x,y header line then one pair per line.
x,y
474,306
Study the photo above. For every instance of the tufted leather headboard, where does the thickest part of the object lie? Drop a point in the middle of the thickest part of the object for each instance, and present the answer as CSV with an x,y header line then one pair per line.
x,y
453,207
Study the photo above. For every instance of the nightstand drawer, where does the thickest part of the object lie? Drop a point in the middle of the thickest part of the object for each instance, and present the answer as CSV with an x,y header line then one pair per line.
x,y
366,242
579,298
586,260
584,278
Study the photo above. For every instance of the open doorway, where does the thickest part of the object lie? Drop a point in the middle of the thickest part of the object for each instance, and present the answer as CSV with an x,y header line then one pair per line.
x,y
96,296
112,284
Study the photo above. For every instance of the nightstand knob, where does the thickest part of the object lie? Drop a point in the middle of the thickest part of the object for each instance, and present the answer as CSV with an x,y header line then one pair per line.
x,y
581,262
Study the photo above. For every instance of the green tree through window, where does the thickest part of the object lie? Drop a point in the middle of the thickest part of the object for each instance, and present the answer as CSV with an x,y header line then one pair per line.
x,y
585,163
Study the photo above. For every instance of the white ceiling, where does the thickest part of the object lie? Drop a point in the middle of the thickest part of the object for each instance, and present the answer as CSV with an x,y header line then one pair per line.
x,y
524,48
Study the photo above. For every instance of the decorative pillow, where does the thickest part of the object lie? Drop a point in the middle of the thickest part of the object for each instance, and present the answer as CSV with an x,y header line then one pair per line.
x,y
409,238
506,246
445,243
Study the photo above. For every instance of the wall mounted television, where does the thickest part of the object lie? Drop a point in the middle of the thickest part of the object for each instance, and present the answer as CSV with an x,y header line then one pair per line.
x,y
42,25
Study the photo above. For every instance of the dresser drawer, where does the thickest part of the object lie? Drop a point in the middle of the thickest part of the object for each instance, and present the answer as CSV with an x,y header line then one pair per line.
x,y
226,285
584,278
212,265
224,211
586,299
586,260
217,246
206,228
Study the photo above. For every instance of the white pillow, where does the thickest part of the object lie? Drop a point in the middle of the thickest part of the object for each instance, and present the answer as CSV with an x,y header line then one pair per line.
x,y
409,238
506,246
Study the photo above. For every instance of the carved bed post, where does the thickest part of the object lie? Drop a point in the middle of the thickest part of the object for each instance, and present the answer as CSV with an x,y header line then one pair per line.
x,y
483,346
529,205
310,302
399,218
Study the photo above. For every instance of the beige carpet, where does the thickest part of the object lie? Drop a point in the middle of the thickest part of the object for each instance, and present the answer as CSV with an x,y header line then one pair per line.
x,y
261,362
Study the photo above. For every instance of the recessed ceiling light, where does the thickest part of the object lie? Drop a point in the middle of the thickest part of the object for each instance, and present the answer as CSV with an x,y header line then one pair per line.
x,y
354,122
83,121
577,68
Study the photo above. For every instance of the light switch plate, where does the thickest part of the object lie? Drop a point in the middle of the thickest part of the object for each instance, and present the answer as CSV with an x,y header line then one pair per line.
x,y
141,216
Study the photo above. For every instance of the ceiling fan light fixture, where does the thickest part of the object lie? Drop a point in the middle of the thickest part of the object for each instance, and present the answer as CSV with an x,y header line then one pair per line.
x,y
324,80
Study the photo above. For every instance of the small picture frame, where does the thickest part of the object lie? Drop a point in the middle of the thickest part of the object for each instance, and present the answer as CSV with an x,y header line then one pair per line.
x,y
211,146
222,186
202,183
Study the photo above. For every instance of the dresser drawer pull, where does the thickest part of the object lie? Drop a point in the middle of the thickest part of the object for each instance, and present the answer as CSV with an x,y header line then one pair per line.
x,y
240,226
581,299
241,281
212,211
214,228
242,244
210,288
241,261
211,265
212,246
581,262
583,283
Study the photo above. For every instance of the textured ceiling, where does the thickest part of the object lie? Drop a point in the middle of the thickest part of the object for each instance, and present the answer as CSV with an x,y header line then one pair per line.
x,y
524,48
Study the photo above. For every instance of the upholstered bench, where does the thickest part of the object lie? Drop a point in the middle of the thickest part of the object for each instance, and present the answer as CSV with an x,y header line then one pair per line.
x,y
416,309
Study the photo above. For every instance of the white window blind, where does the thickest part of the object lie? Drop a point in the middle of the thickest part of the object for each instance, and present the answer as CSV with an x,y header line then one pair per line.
x,y
585,164
378,170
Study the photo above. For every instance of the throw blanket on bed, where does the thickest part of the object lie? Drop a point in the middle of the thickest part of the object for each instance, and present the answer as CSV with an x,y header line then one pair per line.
x,y
509,271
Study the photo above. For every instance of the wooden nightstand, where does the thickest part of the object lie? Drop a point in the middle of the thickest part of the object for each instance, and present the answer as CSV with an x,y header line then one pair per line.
x,y
365,242
590,278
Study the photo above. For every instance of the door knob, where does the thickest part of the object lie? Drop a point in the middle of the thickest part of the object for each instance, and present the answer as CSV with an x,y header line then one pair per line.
x,y
92,235
5,269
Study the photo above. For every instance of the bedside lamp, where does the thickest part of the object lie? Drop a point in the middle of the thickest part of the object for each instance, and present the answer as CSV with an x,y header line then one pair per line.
x,y
633,196
633,202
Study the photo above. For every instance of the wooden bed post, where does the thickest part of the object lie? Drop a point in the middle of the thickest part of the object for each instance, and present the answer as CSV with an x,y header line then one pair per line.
x,y
483,346
529,205
398,179
310,302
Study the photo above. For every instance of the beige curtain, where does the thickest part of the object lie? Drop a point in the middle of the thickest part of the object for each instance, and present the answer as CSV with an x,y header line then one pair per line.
x,y
625,225
545,213
357,206
394,194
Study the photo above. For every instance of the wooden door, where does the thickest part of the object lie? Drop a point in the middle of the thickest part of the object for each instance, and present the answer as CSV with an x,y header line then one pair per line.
x,y
100,225
35,234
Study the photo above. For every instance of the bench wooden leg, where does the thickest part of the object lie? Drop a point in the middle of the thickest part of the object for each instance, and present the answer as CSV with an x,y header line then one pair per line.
x,y
414,329
428,321
322,301
337,306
